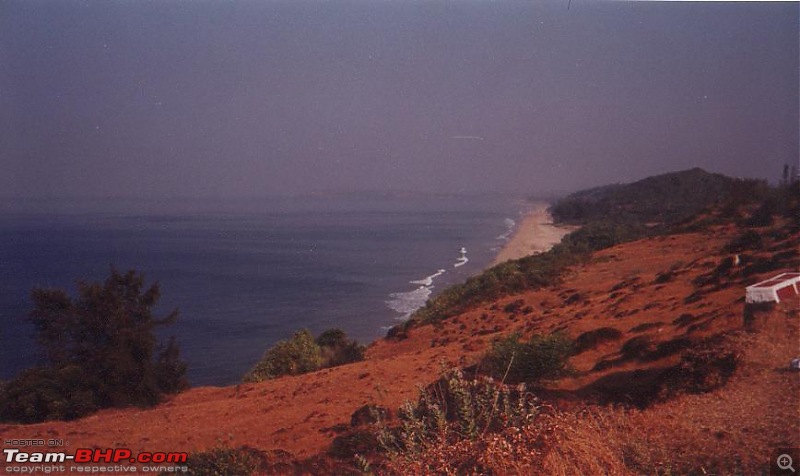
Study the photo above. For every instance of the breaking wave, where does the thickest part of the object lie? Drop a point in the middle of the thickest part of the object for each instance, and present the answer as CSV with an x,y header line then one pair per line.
x,y
461,261
429,280
510,224
407,303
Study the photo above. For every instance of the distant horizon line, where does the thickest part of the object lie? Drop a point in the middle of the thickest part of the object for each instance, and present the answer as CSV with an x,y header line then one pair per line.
x,y
307,195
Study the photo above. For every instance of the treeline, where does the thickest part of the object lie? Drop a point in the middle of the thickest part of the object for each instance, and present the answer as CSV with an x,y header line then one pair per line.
x,y
662,199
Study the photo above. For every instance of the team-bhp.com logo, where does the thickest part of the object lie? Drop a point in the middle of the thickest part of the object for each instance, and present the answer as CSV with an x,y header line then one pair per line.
x,y
85,455
114,456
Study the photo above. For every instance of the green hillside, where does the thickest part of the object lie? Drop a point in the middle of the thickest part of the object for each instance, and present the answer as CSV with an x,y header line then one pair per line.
x,y
666,198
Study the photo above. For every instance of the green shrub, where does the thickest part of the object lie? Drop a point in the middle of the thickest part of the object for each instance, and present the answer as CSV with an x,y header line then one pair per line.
x,y
541,358
295,356
302,354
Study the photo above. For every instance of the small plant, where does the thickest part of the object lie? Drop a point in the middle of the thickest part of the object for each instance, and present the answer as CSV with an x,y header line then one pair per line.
x,y
455,409
540,358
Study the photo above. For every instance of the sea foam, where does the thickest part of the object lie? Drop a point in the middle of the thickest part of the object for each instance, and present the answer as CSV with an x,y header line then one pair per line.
x,y
428,281
510,224
407,303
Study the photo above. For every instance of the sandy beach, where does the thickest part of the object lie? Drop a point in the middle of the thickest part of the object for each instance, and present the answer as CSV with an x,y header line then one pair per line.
x,y
536,233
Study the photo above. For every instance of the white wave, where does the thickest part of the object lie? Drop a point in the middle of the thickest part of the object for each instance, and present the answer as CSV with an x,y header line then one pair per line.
x,y
407,303
463,259
428,280
510,225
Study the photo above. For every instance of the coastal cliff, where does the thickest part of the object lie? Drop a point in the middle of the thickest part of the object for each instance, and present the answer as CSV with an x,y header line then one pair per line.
x,y
642,314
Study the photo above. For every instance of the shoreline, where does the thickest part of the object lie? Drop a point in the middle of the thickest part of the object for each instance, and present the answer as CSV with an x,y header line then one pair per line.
x,y
535,234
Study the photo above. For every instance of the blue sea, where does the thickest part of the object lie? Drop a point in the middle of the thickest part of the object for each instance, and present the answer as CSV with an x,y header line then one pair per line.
x,y
246,273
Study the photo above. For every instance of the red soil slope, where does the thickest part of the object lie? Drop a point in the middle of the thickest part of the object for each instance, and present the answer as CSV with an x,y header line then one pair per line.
x,y
643,289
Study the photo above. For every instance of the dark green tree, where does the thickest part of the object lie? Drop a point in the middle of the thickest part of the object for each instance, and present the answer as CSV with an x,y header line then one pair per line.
x,y
337,349
100,348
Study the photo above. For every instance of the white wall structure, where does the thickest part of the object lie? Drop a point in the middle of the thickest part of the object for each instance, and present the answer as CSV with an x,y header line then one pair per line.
x,y
774,289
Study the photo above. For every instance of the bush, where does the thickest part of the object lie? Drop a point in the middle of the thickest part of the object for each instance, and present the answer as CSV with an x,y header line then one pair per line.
x,y
43,393
100,351
369,414
454,409
295,356
337,349
352,443
541,358
302,354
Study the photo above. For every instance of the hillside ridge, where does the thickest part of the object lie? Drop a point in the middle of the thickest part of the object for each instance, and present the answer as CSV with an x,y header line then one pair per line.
x,y
641,313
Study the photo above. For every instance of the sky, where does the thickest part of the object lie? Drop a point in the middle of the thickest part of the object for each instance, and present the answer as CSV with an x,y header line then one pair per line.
x,y
159,99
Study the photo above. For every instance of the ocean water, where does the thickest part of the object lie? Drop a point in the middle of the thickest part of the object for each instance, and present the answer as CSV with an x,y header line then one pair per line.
x,y
247,273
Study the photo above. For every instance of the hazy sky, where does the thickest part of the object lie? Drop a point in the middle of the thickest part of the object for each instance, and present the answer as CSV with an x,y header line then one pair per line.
x,y
225,98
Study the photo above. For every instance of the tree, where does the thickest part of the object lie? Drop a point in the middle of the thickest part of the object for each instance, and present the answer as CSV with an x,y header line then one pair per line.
x,y
99,347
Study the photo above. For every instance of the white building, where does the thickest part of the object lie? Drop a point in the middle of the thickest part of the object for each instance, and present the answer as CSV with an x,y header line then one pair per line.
x,y
774,289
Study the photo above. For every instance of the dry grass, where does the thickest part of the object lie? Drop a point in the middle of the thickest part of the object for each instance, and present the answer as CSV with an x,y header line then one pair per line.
x,y
731,430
